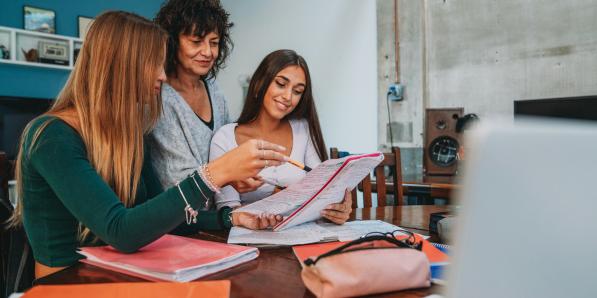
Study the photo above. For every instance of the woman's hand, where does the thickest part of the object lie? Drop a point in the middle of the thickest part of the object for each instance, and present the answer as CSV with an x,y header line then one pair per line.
x,y
247,185
246,161
255,222
339,213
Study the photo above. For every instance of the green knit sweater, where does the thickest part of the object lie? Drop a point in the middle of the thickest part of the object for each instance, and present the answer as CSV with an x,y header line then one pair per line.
x,y
61,188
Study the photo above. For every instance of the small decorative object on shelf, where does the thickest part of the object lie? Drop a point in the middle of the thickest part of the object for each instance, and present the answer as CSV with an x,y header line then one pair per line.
x,y
31,55
53,53
84,24
38,19
4,52
38,49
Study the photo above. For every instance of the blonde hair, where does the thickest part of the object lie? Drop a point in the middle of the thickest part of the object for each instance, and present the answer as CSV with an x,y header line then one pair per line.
x,y
110,100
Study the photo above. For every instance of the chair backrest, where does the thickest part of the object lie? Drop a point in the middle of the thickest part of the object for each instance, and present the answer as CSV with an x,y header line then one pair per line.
x,y
16,258
392,161
5,174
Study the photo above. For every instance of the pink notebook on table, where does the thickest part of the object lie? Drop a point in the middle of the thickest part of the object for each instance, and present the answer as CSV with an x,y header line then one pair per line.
x,y
171,258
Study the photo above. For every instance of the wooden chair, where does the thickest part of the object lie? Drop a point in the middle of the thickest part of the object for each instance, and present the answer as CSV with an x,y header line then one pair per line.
x,y
392,161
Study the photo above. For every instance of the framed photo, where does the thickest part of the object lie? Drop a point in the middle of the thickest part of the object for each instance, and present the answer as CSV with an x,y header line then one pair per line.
x,y
39,19
84,24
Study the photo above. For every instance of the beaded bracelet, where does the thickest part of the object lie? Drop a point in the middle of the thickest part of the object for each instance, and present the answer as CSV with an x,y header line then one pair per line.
x,y
208,179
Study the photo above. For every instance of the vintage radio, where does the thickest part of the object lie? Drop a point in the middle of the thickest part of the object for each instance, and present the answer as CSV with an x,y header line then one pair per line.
x,y
442,141
53,53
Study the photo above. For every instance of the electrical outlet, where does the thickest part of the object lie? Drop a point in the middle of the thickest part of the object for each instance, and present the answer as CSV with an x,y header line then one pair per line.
x,y
395,92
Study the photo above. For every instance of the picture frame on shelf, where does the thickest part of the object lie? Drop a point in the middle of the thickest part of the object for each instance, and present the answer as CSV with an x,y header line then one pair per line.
x,y
39,19
84,24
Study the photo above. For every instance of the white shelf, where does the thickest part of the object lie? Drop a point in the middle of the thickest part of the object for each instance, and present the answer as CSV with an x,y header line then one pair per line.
x,y
19,40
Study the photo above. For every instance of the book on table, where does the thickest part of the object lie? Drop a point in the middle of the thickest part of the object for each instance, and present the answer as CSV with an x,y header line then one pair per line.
x,y
303,201
216,289
171,258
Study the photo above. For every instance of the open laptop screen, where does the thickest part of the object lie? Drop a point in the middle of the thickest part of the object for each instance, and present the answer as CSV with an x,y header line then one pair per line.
x,y
527,224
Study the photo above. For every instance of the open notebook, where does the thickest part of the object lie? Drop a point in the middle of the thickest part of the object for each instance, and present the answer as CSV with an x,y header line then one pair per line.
x,y
171,258
303,201
310,232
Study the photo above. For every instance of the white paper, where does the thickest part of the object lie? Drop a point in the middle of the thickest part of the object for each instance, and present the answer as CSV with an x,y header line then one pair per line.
x,y
310,232
293,197
302,234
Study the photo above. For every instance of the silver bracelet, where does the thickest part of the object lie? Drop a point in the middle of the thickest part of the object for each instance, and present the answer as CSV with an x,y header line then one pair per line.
x,y
201,191
190,214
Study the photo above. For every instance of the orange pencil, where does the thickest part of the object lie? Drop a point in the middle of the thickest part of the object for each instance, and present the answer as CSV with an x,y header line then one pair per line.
x,y
299,165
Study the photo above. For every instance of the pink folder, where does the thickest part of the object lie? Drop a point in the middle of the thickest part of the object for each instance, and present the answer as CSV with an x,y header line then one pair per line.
x,y
172,258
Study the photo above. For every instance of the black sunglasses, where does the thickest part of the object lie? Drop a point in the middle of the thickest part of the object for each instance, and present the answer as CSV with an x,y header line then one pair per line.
x,y
410,242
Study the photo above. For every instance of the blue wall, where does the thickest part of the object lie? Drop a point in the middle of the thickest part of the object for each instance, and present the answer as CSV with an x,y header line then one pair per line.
x,y
27,81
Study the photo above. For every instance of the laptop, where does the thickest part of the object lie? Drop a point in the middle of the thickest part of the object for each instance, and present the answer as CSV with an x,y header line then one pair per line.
x,y
527,224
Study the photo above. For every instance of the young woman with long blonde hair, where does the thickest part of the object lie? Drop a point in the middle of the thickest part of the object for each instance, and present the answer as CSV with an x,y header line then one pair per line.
x,y
83,173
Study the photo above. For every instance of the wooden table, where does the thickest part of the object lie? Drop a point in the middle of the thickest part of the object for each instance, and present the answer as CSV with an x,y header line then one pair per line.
x,y
276,272
427,185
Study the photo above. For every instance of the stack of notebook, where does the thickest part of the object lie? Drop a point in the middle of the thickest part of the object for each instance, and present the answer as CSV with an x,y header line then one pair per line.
x,y
171,258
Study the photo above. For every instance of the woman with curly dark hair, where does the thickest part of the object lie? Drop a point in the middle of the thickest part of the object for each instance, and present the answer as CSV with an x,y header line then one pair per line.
x,y
193,107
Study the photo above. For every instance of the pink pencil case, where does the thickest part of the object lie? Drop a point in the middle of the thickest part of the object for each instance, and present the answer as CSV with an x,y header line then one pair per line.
x,y
366,266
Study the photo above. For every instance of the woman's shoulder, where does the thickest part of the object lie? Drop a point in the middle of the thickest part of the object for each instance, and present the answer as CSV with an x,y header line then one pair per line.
x,y
299,125
51,133
217,96
169,95
51,126
212,85
225,134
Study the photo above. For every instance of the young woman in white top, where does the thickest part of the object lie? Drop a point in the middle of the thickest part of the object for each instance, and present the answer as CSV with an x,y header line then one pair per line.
x,y
280,109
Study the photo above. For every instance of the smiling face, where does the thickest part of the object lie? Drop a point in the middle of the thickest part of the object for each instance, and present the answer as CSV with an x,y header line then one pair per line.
x,y
197,55
284,92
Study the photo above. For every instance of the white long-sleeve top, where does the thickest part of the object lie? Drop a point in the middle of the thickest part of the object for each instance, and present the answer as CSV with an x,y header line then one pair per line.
x,y
303,151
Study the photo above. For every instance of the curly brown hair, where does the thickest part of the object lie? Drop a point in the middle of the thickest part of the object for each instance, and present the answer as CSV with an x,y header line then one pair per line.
x,y
199,18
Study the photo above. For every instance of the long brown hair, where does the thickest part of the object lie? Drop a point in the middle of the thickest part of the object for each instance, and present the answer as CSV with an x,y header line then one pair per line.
x,y
109,99
263,77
